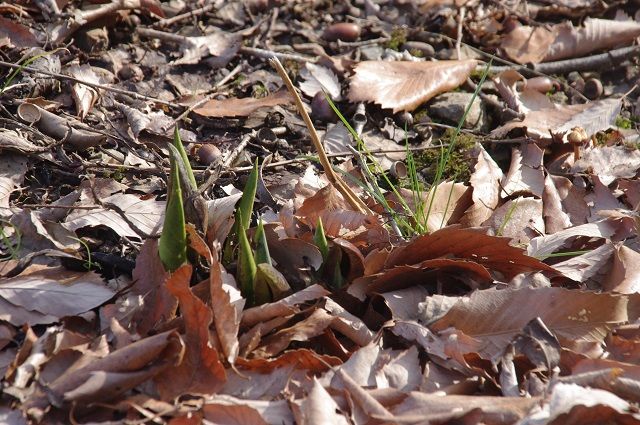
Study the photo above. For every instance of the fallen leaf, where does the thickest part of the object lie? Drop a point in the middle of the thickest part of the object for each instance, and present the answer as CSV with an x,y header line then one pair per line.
x,y
54,292
234,107
201,371
320,408
624,276
403,86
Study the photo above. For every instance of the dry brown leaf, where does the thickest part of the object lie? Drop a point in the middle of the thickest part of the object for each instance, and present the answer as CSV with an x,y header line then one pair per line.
x,y
609,163
320,408
13,167
226,315
149,276
113,374
225,409
539,124
519,219
495,316
494,253
403,86
84,96
201,371
555,218
485,197
446,203
283,307
540,44
234,107
19,35
146,214
624,276
526,173
419,407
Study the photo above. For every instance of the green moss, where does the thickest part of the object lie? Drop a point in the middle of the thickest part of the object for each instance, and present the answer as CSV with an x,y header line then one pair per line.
x,y
398,38
458,166
627,123
416,52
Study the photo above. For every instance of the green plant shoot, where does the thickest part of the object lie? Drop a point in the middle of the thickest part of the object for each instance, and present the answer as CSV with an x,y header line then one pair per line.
x,y
246,272
320,240
172,246
177,142
262,248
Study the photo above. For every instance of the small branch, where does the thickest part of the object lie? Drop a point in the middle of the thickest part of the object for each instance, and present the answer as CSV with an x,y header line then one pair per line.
x,y
268,54
606,60
461,14
355,202
191,14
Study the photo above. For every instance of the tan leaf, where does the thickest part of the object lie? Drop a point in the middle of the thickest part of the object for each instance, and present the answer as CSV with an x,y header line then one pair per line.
x,y
403,86
234,107
526,174
84,96
485,181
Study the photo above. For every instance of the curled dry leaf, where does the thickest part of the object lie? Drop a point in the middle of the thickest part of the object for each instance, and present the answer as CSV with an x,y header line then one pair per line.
x,y
84,96
403,86
235,107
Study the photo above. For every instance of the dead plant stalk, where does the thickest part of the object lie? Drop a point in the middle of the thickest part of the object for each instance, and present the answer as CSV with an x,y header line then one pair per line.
x,y
353,200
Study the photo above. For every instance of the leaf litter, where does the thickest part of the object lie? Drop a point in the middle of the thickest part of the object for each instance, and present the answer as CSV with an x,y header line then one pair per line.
x,y
386,296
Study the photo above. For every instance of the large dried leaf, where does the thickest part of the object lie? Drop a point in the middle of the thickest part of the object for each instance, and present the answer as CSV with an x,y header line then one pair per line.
x,y
149,276
320,408
54,292
495,316
235,107
609,163
403,86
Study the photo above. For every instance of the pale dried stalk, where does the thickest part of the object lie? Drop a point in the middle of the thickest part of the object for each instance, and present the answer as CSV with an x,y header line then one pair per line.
x,y
353,200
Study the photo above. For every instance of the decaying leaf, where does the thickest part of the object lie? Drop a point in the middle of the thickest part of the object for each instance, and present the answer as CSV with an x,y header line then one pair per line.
x,y
403,86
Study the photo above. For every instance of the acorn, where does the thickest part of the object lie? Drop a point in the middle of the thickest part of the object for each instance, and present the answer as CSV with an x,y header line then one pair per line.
x,y
320,108
592,88
343,31
208,154
540,84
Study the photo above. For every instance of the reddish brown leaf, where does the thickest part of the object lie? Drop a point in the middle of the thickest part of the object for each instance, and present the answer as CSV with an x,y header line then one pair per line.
x,y
201,371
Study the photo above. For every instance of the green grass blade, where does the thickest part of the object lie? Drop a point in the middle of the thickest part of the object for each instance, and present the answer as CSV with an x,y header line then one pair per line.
x,y
172,246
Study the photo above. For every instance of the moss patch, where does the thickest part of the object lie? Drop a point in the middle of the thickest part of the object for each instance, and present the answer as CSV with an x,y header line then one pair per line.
x,y
458,165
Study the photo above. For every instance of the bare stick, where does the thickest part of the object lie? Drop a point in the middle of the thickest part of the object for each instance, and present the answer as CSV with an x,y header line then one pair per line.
x,y
355,202
86,83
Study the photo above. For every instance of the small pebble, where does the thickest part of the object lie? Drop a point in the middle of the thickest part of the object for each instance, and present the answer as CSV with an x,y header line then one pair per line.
x,y
540,84
320,108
